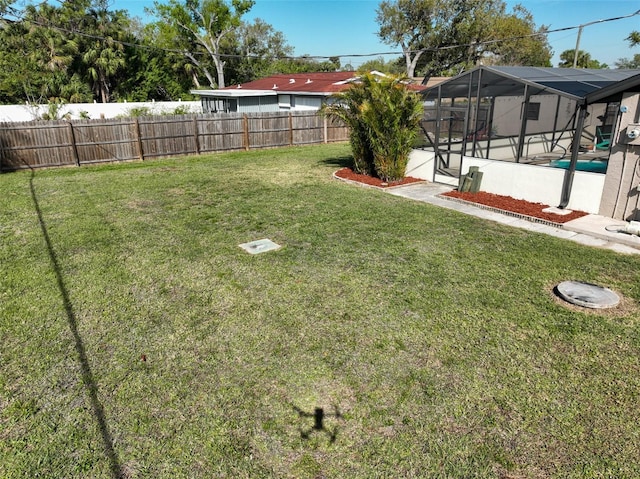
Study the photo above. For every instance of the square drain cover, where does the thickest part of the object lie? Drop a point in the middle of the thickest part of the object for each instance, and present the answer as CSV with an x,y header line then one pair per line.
x,y
260,246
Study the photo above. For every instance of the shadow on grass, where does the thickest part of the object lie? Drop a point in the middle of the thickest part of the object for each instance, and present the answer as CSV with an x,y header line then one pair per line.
x,y
87,375
340,161
318,416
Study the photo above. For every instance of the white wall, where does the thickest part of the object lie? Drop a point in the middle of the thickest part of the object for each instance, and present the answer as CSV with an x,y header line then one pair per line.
x,y
421,164
538,184
9,113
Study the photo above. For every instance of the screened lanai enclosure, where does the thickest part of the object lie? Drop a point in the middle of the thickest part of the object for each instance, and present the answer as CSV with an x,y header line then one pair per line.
x,y
523,116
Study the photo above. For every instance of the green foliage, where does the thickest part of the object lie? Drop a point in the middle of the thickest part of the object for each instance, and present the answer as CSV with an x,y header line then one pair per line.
x,y
584,60
423,27
55,111
633,63
392,67
391,115
629,63
181,110
347,107
136,111
199,27
383,116
255,48
516,45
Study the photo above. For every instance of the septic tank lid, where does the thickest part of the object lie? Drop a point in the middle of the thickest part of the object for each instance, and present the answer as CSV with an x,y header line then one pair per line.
x,y
587,295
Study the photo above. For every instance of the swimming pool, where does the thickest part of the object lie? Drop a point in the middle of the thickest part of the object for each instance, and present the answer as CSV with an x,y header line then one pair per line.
x,y
594,165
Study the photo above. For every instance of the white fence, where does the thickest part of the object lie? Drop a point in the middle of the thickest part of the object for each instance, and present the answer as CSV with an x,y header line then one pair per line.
x,y
29,112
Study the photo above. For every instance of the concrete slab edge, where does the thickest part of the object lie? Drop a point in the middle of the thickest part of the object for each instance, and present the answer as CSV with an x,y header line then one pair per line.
x,y
532,219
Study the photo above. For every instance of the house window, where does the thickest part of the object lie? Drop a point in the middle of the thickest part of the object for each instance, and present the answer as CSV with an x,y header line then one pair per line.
x,y
284,102
533,112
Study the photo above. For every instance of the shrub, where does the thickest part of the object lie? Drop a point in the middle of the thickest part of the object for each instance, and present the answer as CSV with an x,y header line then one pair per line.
x,y
383,116
55,109
392,118
346,106
136,111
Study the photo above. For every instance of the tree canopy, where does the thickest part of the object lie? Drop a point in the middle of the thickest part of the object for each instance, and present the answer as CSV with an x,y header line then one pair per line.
x,y
198,28
83,50
448,36
584,60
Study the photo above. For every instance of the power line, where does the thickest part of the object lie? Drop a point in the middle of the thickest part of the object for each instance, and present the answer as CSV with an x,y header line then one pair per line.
x,y
318,57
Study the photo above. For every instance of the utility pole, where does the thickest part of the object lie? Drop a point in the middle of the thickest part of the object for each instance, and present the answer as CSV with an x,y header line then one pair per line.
x,y
575,53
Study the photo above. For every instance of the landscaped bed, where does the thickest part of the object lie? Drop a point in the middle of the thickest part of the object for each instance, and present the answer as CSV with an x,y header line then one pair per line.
x,y
498,202
514,205
385,338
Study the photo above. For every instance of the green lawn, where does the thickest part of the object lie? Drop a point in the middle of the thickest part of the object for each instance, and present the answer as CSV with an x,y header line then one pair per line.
x,y
138,340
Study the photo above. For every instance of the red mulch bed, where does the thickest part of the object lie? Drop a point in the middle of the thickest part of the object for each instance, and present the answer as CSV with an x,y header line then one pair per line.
x,y
508,203
349,174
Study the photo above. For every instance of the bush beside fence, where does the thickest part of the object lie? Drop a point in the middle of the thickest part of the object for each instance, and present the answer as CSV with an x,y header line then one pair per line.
x,y
81,142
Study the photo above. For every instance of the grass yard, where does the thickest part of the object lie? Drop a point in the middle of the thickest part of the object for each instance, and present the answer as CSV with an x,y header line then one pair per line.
x,y
387,338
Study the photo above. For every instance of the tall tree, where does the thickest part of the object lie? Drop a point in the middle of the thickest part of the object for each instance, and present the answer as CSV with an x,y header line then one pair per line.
x,y
152,73
634,40
630,64
45,57
584,60
410,24
379,64
447,36
518,41
200,26
104,54
256,47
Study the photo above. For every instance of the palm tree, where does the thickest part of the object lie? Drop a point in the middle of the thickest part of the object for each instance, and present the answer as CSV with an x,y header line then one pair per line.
x,y
104,55
383,116
346,107
392,115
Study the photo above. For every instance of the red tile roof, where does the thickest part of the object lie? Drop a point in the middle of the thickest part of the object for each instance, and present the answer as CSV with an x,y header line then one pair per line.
x,y
321,82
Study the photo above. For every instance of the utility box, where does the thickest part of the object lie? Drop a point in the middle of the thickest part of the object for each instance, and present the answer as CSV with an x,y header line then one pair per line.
x,y
631,136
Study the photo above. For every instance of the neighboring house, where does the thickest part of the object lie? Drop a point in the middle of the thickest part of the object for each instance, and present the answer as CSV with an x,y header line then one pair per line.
x,y
287,92
552,135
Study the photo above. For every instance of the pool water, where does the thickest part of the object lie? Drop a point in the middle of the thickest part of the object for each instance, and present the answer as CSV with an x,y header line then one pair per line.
x,y
594,166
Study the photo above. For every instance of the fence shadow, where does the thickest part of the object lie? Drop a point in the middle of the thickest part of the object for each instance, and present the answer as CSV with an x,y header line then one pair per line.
x,y
87,375
339,161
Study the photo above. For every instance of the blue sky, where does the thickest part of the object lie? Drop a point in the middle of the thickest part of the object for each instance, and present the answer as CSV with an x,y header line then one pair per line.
x,y
348,27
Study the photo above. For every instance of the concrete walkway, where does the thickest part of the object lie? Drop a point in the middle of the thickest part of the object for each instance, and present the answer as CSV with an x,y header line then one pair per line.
x,y
591,230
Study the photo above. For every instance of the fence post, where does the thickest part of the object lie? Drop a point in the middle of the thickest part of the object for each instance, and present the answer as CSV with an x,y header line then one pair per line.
x,y
290,129
72,141
195,135
136,124
245,123
325,131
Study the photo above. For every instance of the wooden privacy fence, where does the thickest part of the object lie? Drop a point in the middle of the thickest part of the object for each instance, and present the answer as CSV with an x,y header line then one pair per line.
x,y
81,142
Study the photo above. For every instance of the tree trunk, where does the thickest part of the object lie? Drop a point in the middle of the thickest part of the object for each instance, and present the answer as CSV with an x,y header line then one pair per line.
x,y
411,62
219,69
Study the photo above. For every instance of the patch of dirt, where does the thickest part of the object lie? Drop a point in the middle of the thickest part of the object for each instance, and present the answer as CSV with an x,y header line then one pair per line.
x,y
507,203
349,174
